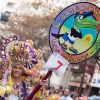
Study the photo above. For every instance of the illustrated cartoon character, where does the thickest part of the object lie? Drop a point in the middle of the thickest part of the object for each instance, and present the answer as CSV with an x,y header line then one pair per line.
x,y
81,20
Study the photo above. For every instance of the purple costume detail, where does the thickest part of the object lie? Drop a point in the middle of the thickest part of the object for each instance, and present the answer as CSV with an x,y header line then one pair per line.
x,y
34,61
22,94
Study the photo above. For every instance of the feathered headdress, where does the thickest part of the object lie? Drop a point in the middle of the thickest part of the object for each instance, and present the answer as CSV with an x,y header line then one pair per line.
x,y
14,50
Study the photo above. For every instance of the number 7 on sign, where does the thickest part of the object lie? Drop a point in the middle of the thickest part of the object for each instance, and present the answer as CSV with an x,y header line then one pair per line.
x,y
60,64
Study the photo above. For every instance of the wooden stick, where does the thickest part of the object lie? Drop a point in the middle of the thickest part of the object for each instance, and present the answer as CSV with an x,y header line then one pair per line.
x,y
39,86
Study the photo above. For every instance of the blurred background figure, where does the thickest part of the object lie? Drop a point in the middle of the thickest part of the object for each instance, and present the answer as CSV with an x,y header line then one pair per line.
x,y
71,94
52,91
61,92
66,95
94,97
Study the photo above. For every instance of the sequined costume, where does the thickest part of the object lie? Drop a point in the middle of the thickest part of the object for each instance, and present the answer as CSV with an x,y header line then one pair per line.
x,y
16,51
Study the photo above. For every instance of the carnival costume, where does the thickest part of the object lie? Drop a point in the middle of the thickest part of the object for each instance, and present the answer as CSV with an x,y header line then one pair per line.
x,y
16,51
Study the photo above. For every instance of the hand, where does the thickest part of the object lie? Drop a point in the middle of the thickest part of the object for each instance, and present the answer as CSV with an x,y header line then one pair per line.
x,y
30,88
43,82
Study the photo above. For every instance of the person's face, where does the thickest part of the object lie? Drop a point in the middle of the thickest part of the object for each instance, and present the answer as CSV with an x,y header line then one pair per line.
x,y
66,92
52,89
60,93
17,71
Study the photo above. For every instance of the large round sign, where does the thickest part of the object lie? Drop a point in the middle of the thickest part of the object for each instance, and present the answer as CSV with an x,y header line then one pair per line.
x,y
75,32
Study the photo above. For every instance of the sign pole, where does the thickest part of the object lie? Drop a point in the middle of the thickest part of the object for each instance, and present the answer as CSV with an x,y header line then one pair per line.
x,y
39,86
69,69
83,66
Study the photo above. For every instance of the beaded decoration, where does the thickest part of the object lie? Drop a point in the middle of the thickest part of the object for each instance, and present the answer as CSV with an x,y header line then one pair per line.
x,y
14,50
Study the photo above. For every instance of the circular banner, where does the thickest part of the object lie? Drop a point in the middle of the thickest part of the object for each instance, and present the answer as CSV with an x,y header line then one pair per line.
x,y
75,32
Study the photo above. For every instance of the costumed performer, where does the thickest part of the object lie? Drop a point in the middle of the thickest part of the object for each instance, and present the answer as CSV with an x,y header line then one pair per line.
x,y
23,59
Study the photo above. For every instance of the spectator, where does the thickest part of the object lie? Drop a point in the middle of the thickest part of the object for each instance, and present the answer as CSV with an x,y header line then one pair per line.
x,y
52,90
71,94
66,95
60,93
